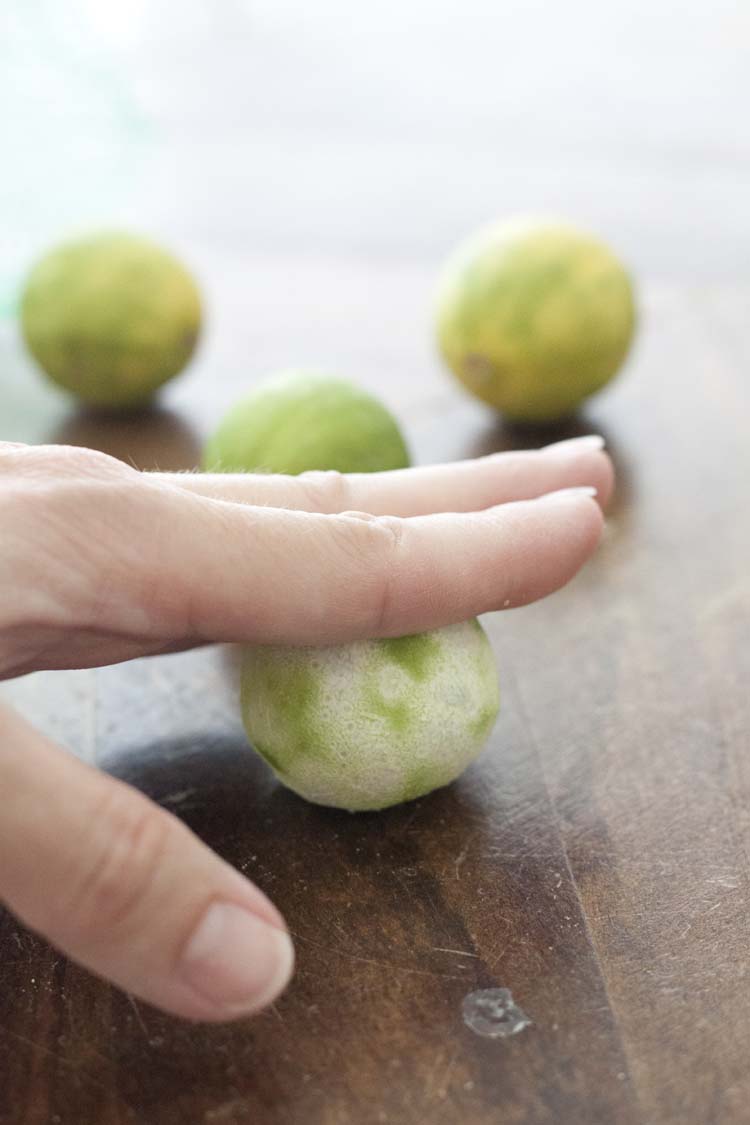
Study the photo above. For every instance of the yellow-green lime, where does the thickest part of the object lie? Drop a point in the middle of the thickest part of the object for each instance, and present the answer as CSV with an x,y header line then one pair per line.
x,y
296,421
371,724
533,316
110,318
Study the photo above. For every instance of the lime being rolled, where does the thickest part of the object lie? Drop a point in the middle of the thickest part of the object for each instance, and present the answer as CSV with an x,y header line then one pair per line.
x,y
374,723
533,316
110,318
299,420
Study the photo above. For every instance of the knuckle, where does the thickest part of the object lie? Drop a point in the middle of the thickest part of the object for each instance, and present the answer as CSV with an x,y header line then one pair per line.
x,y
128,839
391,531
369,539
81,462
327,490
10,451
376,544
51,462
16,457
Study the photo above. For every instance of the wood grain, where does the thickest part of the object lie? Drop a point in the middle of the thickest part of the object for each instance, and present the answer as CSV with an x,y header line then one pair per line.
x,y
595,860
314,169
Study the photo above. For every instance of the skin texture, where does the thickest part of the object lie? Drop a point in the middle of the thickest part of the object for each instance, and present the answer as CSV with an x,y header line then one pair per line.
x,y
534,316
110,318
101,563
298,421
373,723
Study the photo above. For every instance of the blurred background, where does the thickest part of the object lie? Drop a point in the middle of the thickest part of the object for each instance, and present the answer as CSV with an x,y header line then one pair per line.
x,y
294,154
389,128
313,165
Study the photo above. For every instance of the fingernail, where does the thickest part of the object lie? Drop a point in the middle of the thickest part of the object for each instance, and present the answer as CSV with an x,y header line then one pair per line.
x,y
235,960
589,441
565,493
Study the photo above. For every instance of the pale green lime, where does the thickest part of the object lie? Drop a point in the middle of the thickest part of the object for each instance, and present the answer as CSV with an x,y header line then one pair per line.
x,y
533,316
371,724
296,421
110,318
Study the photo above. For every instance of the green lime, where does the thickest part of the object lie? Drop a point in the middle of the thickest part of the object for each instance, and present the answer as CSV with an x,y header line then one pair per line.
x,y
296,421
371,724
110,318
534,316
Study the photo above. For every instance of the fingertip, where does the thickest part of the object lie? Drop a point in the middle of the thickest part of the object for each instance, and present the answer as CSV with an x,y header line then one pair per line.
x,y
587,442
235,963
561,531
587,518
591,462
606,478
570,493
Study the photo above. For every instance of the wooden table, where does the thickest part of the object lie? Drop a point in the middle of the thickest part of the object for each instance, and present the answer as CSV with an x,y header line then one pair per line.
x,y
595,860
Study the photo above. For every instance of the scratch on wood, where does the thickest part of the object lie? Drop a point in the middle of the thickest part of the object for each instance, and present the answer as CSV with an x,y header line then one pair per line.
x,y
442,1091
493,962
400,879
435,1088
138,1015
180,797
409,821
460,859
372,961
226,1110
55,1055
430,1078
342,931
458,952
568,869
728,882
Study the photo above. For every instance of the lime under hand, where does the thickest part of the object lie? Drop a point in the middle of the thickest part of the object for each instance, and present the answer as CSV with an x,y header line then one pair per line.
x,y
369,724
372,724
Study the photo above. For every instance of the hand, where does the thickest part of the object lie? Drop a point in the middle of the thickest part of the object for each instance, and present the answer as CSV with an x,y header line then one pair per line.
x,y
100,563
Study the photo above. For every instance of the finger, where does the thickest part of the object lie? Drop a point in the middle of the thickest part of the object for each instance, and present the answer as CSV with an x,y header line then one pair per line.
x,y
126,890
459,487
258,574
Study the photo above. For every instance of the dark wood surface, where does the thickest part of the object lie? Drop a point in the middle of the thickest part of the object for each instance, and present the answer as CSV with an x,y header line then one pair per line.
x,y
314,168
595,860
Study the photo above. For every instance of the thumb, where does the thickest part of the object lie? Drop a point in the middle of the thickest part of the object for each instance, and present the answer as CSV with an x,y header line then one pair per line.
x,y
126,890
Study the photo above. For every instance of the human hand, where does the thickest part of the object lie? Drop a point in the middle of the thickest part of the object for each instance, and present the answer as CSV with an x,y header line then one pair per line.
x,y
101,563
